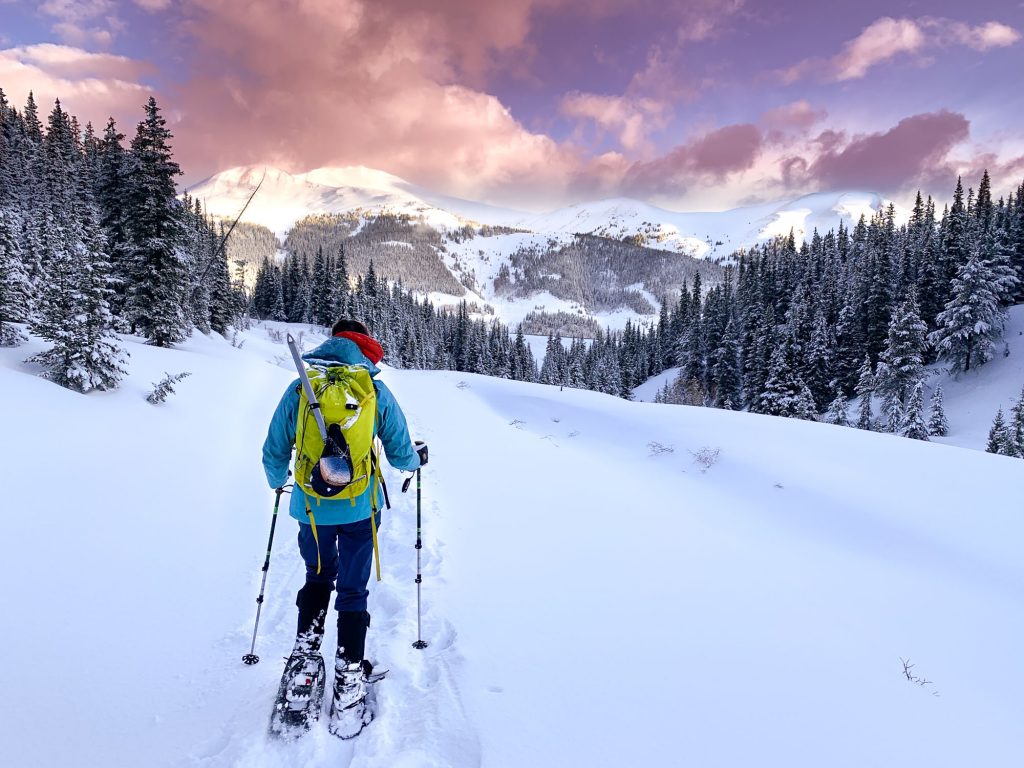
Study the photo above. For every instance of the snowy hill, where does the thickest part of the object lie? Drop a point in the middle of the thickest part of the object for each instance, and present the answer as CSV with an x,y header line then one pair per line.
x,y
711,234
285,198
605,583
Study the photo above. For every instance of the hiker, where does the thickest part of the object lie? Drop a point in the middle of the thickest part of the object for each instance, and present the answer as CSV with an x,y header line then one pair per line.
x,y
337,536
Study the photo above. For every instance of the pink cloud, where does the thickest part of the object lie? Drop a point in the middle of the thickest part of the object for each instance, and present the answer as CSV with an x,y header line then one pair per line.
x,y
711,157
93,86
783,123
887,38
394,84
980,38
630,119
893,159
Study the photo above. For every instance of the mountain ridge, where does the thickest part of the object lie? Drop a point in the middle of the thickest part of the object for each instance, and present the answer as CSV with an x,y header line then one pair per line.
x,y
701,234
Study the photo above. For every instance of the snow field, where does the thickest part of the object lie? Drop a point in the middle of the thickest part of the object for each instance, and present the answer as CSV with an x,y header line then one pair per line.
x,y
593,594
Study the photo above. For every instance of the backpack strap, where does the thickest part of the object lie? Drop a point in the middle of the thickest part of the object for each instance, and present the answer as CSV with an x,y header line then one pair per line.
x,y
374,479
316,539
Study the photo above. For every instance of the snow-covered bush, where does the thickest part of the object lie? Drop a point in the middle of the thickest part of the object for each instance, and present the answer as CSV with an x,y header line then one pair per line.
x,y
166,387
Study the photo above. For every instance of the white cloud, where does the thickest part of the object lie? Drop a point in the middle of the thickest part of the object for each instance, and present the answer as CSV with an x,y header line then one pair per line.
x,y
83,22
886,38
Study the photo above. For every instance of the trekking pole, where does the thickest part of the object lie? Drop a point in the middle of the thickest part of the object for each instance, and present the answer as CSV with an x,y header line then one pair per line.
x,y
251,657
420,642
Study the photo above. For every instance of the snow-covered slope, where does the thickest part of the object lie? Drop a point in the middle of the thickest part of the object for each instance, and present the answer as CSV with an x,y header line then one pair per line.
x,y
605,583
710,234
284,198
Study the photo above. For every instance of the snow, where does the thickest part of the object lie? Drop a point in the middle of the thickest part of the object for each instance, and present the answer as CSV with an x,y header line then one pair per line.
x,y
593,594
646,392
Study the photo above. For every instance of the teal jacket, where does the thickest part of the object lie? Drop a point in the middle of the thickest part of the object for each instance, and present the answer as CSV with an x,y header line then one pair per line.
x,y
391,428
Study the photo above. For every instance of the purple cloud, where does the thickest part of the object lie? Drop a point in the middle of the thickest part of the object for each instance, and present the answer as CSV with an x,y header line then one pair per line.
x,y
893,159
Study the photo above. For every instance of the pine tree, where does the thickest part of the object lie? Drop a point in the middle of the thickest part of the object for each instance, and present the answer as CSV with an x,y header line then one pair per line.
x,y
894,422
14,284
340,286
549,368
1015,427
937,424
74,312
726,371
999,440
865,389
902,361
818,369
113,188
785,393
322,310
838,412
158,270
972,319
913,425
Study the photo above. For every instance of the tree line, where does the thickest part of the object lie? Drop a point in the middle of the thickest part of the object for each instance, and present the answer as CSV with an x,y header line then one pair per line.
x,y
94,240
860,313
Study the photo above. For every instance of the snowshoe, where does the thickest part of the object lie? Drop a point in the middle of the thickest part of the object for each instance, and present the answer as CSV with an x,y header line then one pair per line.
x,y
300,695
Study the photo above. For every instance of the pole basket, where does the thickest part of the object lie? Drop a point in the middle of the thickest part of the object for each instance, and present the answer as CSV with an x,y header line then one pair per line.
x,y
420,645
250,659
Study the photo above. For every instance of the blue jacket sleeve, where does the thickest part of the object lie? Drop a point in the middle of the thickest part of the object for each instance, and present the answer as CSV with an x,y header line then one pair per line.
x,y
393,431
277,448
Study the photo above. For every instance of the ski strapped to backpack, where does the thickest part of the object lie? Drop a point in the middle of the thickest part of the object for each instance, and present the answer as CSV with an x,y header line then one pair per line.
x,y
335,455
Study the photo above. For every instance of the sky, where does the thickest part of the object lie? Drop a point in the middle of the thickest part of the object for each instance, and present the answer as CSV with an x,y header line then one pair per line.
x,y
691,105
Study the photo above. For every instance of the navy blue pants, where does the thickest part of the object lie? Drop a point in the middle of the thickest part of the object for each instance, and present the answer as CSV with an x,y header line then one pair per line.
x,y
346,554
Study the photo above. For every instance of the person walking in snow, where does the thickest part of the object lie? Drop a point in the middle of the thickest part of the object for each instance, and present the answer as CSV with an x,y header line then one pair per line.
x,y
337,536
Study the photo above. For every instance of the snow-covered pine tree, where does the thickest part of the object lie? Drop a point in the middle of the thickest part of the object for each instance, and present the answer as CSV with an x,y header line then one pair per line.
x,y
726,371
972,319
865,389
549,368
818,361
1015,426
73,311
322,290
901,366
14,284
158,272
838,412
937,424
227,300
785,393
340,284
894,421
113,188
999,438
913,425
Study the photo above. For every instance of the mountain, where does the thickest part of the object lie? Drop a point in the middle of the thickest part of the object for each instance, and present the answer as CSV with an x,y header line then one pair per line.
x,y
285,198
608,261
605,583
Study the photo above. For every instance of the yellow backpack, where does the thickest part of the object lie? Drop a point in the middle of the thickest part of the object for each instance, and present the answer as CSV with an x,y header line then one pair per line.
x,y
348,403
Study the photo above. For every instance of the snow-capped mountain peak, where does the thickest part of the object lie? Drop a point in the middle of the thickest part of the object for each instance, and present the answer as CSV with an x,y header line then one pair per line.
x,y
285,198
